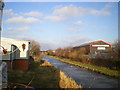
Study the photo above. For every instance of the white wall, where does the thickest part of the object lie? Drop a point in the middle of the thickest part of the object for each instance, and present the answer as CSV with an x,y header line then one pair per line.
x,y
19,54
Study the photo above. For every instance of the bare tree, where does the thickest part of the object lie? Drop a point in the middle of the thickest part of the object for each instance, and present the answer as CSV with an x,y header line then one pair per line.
x,y
115,54
35,50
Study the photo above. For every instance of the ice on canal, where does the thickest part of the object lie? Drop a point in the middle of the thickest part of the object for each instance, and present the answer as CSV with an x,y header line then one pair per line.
x,y
87,78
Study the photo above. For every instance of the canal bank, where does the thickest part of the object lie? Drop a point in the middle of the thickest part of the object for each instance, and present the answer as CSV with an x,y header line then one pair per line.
x,y
40,75
87,78
101,70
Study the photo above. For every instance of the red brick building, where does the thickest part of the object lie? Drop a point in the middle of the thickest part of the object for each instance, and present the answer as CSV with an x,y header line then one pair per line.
x,y
96,46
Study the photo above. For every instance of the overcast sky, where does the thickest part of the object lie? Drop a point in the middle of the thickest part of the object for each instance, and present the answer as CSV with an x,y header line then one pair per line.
x,y
61,24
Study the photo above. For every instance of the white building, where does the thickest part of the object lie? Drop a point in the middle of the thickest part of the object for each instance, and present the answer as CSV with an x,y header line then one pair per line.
x,y
17,50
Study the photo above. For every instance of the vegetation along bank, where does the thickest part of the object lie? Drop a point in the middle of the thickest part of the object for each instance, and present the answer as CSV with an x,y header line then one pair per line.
x,y
41,75
102,70
103,61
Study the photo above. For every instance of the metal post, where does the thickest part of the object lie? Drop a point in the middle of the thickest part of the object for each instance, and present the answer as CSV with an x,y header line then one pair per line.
x,y
3,71
1,13
4,75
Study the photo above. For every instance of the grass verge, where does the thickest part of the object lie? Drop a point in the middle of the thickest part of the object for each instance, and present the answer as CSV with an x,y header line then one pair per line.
x,y
102,70
41,75
64,82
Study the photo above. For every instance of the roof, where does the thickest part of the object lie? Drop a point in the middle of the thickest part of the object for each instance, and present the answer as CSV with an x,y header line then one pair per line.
x,y
90,43
4,38
7,42
12,41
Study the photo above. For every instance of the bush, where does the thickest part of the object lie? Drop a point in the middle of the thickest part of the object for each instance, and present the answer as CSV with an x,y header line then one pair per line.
x,y
105,63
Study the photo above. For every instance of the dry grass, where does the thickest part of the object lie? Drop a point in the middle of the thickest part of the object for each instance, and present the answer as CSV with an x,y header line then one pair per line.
x,y
66,82
45,76
46,64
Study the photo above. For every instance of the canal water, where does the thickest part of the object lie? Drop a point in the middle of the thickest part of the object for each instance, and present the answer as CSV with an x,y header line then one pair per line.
x,y
82,76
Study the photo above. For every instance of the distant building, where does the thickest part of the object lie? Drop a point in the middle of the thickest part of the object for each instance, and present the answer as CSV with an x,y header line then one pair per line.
x,y
43,52
95,47
15,53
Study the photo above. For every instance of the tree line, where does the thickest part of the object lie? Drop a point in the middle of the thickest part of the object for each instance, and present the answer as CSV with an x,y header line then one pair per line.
x,y
80,55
